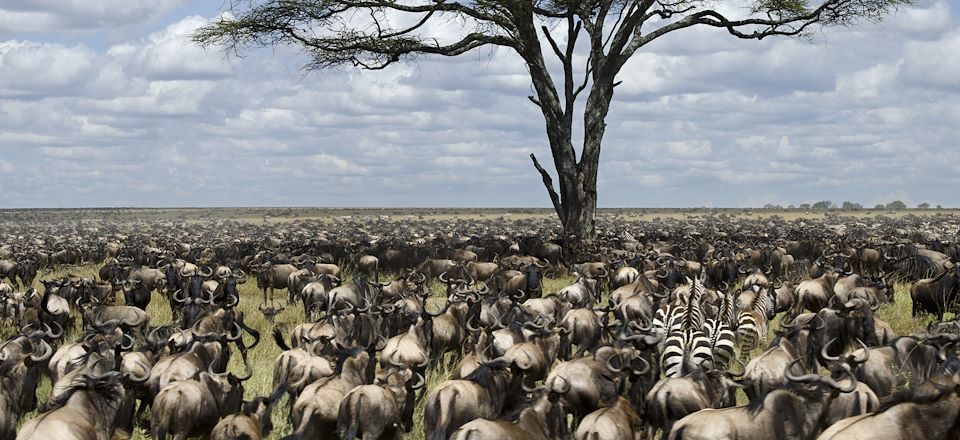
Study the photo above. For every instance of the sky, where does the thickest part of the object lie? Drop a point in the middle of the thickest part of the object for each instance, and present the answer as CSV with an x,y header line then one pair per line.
x,y
107,103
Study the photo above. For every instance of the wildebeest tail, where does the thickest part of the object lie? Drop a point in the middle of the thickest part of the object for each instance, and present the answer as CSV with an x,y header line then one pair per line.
x,y
353,425
444,417
278,337
678,435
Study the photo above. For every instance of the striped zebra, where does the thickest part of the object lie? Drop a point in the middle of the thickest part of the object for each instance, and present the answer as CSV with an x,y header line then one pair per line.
x,y
752,321
685,351
693,313
686,347
723,341
727,312
667,318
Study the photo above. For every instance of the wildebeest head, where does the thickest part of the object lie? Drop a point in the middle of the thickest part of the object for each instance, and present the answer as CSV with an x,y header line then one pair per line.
x,y
534,274
669,273
172,275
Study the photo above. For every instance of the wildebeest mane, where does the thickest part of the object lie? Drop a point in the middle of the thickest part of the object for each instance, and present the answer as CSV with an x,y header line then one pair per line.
x,y
105,385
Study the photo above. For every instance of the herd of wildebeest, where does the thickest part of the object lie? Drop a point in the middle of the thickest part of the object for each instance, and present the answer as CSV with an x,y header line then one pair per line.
x,y
665,323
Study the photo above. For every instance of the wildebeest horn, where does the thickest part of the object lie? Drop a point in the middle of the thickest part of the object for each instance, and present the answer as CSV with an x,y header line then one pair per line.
x,y
634,325
240,275
646,366
527,389
44,355
127,346
472,328
823,351
532,324
866,353
821,326
87,340
420,381
138,379
183,272
443,278
233,336
681,262
787,323
657,273
802,378
247,370
836,385
207,273
564,385
50,333
661,292
141,319
426,361
778,280
605,274
232,301
542,266
610,366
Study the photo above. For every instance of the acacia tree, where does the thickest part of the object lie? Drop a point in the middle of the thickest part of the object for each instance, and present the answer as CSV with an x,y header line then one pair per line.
x,y
373,34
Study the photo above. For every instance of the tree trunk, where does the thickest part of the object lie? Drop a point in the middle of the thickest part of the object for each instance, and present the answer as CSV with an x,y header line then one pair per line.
x,y
576,204
580,207
575,198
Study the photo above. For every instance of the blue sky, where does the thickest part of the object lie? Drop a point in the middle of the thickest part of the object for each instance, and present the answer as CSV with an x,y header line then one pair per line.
x,y
109,105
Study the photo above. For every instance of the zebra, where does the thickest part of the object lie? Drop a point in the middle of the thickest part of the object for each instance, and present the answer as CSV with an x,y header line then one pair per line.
x,y
752,321
685,351
667,319
722,341
687,346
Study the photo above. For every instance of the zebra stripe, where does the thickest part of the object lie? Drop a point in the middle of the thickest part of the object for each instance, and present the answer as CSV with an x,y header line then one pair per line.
x,y
685,351
668,318
751,329
728,310
701,350
671,359
722,341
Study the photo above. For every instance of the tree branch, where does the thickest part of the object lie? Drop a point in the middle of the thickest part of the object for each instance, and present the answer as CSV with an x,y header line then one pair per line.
x,y
548,182
553,44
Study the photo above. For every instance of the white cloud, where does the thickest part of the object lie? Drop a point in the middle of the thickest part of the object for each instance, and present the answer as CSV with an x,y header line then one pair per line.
x,y
17,16
700,119
29,68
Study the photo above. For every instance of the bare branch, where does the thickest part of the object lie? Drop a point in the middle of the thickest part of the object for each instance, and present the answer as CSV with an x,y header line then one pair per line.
x,y
548,182
553,44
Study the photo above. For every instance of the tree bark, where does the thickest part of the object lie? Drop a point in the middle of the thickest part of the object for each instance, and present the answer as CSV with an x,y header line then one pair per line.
x,y
576,204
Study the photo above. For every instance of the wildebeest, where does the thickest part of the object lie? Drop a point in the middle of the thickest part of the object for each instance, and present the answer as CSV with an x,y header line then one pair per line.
x,y
937,295
793,412
187,408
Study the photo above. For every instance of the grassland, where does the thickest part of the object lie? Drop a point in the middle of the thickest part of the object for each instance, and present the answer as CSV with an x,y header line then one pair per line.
x,y
262,357
286,215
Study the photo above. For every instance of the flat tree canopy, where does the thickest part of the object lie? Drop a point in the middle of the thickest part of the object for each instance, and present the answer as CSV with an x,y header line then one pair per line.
x,y
373,34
